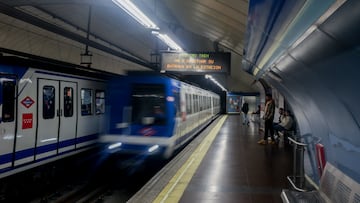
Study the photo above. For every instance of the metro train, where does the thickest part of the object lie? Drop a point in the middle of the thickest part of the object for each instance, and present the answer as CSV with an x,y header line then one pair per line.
x,y
155,115
46,115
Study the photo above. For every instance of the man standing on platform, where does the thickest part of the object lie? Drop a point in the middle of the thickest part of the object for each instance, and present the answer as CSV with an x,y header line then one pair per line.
x,y
245,110
269,117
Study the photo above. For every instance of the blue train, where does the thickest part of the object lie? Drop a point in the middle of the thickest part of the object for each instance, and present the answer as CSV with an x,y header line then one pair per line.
x,y
155,114
49,113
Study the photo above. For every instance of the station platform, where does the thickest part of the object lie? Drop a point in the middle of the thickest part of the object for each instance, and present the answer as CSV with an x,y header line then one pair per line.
x,y
223,164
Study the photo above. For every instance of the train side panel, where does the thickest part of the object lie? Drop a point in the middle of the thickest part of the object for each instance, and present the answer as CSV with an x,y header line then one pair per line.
x,y
26,106
197,111
135,129
90,112
47,118
8,118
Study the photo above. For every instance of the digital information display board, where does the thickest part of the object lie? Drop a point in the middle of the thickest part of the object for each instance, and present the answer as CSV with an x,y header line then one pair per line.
x,y
195,63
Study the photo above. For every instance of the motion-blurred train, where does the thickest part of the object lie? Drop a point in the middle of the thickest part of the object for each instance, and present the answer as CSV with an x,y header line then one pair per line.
x,y
46,115
155,114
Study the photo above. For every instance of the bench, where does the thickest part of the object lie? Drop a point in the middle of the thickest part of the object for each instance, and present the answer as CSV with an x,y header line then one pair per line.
x,y
335,186
285,134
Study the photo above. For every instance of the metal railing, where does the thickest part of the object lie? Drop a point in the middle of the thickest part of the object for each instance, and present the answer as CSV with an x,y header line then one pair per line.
x,y
297,181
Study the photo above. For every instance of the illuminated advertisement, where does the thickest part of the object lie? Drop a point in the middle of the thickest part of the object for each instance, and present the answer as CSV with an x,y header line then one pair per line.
x,y
233,103
214,62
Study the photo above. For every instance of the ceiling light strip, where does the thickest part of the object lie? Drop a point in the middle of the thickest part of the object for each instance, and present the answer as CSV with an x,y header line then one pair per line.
x,y
216,82
134,12
167,40
139,16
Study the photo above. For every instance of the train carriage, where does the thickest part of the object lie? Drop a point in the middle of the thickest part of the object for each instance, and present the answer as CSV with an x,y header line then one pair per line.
x,y
46,115
155,114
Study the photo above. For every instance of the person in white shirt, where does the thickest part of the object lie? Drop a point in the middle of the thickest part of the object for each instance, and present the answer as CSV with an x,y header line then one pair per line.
x,y
285,124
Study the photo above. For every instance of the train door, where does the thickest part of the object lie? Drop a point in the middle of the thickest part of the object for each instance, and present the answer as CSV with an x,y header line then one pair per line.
x,y
67,128
57,117
48,118
7,119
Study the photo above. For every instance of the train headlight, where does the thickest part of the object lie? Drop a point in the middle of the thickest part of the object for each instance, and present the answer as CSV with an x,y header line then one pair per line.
x,y
116,145
153,148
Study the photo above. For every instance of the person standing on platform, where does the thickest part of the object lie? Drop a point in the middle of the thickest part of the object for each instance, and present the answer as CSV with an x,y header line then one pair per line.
x,y
269,117
245,110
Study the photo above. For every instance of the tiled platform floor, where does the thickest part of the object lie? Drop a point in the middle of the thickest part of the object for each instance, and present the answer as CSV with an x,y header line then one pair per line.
x,y
237,169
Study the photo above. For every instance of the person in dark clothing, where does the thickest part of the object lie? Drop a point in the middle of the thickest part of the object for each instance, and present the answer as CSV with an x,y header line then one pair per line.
x,y
245,110
255,115
257,110
269,117
281,115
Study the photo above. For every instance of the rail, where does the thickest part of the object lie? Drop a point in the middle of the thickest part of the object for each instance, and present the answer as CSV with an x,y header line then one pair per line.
x,y
297,143
335,186
297,180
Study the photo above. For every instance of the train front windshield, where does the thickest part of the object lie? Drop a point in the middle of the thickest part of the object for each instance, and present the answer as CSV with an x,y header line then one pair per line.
x,y
148,103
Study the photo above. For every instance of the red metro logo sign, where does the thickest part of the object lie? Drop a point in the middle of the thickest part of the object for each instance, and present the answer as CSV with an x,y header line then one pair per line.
x,y
27,102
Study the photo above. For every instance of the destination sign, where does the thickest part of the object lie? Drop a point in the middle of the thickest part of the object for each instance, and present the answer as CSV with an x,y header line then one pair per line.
x,y
196,63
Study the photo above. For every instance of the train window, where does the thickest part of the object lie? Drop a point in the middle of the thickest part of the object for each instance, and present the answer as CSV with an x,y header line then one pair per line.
x,y
48,102
148,101
196,103
207,103
100,101
8,100
202,105
68,102
86,102
177,103
188,104
199,102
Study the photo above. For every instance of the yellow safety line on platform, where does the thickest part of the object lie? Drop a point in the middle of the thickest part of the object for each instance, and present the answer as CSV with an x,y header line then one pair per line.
x,y
178,183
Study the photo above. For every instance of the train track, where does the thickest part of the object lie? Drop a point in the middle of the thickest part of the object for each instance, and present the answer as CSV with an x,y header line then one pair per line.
x,y
117,178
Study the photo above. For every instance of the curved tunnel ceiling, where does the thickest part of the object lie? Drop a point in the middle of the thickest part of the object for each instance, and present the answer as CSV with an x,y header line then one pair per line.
x,y
271,35
317,73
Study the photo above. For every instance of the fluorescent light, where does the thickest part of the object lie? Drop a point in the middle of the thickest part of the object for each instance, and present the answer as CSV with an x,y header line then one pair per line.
x,y
134,12
168,41
215,81
139,16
